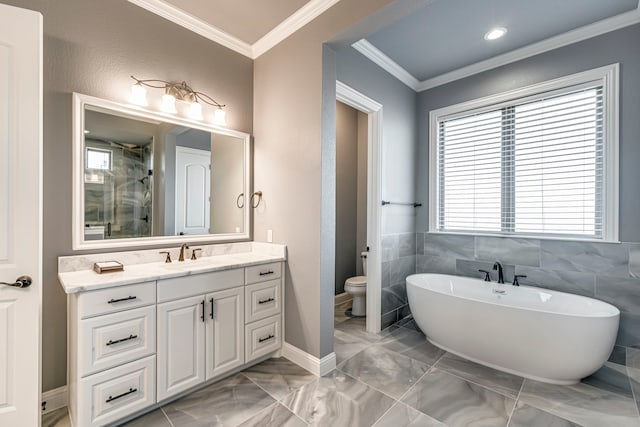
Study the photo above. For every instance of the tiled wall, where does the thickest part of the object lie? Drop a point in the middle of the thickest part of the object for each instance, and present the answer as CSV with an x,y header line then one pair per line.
x,y
606,271
398,262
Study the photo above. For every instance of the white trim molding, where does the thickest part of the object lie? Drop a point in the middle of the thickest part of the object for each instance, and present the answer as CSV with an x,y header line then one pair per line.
x,y
190,22
579,34
54,399
319,367
293,23
389,65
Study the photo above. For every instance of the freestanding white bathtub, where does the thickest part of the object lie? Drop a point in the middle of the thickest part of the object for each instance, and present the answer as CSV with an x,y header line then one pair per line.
x,y
536,333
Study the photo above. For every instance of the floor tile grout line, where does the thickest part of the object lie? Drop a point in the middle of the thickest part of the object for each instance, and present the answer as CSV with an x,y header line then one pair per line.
x,y
366,384
515,404
167,416
501,393
261,388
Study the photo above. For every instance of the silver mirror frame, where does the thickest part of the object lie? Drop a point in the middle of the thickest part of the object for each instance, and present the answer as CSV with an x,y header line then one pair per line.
x,y
77,216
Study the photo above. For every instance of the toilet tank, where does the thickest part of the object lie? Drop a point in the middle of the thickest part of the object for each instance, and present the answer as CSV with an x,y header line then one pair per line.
x,y
363,256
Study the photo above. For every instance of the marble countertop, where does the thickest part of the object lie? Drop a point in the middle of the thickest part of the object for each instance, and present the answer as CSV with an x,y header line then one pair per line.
x,y
88,280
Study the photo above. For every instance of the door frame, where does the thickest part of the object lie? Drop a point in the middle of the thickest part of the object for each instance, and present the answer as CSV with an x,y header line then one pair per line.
x,y
373,110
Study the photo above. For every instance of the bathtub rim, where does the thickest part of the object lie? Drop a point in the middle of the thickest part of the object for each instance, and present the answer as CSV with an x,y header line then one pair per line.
x,y
615,313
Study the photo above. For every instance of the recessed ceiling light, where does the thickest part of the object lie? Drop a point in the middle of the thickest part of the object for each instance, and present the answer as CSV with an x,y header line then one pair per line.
x,y
495,33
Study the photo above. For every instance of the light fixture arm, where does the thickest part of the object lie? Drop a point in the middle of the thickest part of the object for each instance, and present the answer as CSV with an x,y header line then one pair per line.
x,y
181,91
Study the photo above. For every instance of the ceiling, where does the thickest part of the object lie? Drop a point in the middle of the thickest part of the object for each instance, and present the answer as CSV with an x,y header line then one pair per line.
x,y
438,43
250,27
448,35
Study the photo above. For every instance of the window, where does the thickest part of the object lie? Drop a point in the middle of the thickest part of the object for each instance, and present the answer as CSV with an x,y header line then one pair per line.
x,y
538,161
98,159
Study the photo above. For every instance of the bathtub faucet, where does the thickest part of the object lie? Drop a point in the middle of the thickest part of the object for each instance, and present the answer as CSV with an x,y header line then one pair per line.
x,y
498,266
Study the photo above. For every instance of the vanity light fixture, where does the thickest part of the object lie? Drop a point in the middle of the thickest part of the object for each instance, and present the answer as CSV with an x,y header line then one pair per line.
x,y
495,33
138,95
177,92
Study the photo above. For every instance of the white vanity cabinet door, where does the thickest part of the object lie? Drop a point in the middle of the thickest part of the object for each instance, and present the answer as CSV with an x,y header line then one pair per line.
x,y
224,331
181,339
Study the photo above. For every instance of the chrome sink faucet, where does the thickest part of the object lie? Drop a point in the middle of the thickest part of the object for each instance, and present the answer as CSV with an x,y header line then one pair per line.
x,y
186,246
498,266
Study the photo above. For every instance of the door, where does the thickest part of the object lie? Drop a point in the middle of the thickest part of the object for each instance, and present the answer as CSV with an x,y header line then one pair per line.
x,y
193,190
225,331
180,345
20,214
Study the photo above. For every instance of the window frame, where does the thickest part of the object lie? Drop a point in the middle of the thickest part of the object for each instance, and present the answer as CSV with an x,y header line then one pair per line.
x,y
98,150
608,78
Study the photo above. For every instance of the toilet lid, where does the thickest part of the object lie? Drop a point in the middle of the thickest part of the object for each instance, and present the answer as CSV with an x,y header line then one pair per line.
x,y
357,281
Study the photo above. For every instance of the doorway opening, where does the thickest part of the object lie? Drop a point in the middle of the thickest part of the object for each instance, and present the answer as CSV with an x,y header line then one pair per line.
x,y
367,242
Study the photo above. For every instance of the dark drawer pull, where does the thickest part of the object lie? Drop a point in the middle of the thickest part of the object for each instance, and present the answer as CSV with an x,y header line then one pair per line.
x,y
111,301
112,398
266,273
266,338
264,301
129,338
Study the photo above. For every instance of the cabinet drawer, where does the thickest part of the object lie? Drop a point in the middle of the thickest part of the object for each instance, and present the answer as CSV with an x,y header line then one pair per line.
x,y
198,284
262,300
116,393
262,337
111,300
261,273
114,339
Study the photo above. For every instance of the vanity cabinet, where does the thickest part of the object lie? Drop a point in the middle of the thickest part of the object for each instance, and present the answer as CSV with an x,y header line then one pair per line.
x,y
199,338
138,345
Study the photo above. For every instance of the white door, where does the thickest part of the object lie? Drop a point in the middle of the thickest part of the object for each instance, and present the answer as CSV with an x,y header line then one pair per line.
x,y
224,331
20,214
193,190
180,345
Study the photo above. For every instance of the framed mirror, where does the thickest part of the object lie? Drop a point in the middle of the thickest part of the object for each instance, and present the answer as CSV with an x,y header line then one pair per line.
x,y
147,178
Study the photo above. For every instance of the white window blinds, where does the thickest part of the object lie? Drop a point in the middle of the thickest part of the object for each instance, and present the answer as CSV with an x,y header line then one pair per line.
x,y
530,166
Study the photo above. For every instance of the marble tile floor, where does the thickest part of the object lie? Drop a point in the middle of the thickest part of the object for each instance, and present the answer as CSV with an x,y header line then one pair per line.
x,y
395,379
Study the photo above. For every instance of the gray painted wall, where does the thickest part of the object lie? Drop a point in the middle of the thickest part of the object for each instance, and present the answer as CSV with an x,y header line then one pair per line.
x,y
93,47
346,193
294,162
608,271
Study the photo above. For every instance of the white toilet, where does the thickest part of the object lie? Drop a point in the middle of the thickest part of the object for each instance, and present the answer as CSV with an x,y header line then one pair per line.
x,y
357,288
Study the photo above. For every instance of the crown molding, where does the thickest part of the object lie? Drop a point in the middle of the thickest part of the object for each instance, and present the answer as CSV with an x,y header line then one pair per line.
x,y
293,23
586,32
190,22
389,65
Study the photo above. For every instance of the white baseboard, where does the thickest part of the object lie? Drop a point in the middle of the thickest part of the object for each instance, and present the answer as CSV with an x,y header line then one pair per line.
x,y
343,297
55,399
311,363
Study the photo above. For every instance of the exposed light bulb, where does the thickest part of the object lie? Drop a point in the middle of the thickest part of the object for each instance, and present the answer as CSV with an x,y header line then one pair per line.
x,y
219,117
195,111
495,33
138,95
169,103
